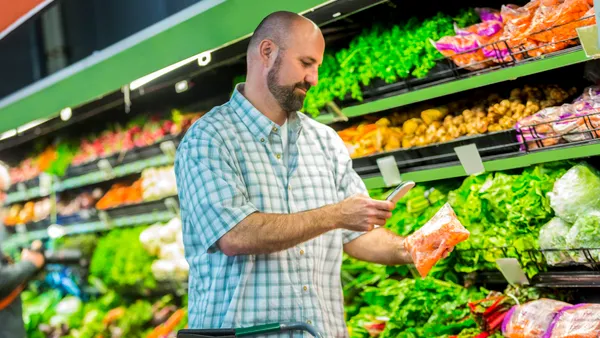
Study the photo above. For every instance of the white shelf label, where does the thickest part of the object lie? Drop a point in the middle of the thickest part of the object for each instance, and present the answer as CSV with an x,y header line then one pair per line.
x,y
512,271
106,168
169,149
104,218
389,170
45,184
470,159
172,205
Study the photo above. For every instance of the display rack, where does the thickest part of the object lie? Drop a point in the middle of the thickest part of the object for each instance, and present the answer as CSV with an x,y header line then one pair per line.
x,y
515,148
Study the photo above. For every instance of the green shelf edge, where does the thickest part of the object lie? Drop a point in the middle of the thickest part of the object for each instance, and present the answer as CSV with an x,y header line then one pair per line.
x,y
515,162
134,220
497,76
91,178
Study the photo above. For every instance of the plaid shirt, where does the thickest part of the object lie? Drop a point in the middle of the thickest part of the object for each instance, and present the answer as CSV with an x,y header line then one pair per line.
x,y
229,165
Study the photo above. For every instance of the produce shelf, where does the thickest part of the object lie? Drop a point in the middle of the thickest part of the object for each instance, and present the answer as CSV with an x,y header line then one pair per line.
x,y
92,178
495,163
550,279
450,86
20,239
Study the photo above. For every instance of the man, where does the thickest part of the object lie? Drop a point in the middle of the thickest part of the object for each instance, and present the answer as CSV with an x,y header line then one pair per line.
x,y
269,198
13,278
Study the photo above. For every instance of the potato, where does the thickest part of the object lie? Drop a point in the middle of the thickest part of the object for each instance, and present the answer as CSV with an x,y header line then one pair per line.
x,y
410,127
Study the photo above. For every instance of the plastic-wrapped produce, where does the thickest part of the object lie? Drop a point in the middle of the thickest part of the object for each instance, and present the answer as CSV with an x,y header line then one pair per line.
x,y
440,234
585,234
577,321
553,236
531,320
576,193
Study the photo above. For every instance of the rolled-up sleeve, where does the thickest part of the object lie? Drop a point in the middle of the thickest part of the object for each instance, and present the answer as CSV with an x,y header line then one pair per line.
x,y
212,193
348,182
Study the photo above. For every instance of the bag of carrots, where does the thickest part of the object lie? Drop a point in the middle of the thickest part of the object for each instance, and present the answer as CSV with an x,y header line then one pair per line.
x,y
437,237
577,321
531,320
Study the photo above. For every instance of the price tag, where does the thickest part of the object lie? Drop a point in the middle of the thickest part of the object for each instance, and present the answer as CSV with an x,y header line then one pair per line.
x,y
21,187
470,159
45,184
106,168
169,149
104,218
20,228
589,40
512,271
172,205
389,170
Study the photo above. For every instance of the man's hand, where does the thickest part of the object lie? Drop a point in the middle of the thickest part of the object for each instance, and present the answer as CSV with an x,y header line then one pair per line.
x,y
34,257
361,213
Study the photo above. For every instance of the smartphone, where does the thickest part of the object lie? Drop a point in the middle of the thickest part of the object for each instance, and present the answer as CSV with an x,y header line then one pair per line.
x,y
400,191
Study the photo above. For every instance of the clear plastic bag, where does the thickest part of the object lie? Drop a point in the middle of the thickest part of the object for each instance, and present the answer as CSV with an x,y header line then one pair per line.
x,y
553,235
585,234
576,193
439,235
531,320
463,50
577,321
537,131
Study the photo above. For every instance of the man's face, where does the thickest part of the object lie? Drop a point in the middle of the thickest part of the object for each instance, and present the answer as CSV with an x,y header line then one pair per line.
x,y
296,69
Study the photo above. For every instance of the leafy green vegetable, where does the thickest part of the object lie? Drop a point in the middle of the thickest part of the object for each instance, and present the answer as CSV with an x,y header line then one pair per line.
x,y
576,193
121,261
386,53
553,236
504,213
585,234
416,308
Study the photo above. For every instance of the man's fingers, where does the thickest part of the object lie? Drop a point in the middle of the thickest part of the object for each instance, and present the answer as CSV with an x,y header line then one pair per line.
x,y
383,205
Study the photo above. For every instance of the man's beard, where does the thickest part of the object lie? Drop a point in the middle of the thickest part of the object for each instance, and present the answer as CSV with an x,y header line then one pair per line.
x,y
288,99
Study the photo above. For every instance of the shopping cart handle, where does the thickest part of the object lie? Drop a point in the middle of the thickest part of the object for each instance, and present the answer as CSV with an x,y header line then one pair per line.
x,y
250,331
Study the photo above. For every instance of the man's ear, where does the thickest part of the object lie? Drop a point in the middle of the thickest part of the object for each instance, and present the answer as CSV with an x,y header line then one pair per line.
x,y
267,51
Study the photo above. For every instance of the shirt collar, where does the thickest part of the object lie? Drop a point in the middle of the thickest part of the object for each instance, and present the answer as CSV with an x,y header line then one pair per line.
x,y
258,124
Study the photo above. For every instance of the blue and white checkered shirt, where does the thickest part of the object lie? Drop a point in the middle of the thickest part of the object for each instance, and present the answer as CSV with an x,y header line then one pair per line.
x,y
229,165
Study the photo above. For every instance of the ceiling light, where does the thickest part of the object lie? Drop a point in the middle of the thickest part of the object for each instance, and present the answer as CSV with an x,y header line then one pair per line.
x,y
153,76
30,125
66,114
7,134
181,86
335,15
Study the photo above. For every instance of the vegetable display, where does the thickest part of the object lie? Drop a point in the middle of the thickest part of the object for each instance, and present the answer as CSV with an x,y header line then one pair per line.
x,y
382,53
553,236
467,117
121,261
140,132
414,308
539,27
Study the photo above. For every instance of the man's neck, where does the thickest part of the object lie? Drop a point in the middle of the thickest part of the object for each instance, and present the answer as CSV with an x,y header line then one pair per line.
x,y
264,102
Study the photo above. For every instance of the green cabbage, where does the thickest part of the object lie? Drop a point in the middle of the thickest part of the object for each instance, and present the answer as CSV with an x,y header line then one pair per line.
x,y
576,192
553,236
585,234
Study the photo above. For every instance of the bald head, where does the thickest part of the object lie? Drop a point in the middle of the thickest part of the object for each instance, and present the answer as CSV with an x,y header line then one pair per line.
x,y
276,27
284,56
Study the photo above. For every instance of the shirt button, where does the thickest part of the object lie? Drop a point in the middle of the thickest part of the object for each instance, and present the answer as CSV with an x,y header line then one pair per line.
x,y
305,288
301,252
309,322
275,129
262,140
289,187
278,156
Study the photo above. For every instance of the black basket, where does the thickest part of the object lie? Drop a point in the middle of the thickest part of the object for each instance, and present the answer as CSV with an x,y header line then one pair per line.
x,y
416,158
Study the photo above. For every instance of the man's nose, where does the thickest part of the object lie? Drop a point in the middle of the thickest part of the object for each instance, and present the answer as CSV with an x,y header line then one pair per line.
x,y
312,78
